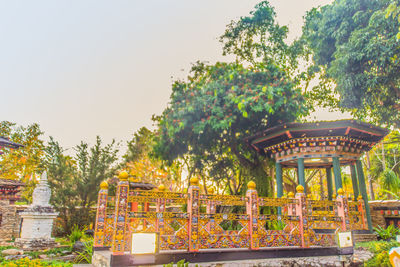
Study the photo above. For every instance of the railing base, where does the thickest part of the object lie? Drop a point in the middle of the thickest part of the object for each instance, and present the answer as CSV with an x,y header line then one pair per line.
x,y
216,255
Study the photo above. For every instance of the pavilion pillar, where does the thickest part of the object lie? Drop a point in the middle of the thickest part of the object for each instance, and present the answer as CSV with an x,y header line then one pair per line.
x,y
329,182
300,171
363,189
279,183
336,172
354,181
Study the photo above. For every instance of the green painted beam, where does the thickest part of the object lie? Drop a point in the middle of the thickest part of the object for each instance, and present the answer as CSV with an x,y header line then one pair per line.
x,y
300,170
363,190
354,181
336,172
329,182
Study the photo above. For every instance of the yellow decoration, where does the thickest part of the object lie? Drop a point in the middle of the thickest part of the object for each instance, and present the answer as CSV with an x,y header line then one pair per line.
x,y
104,185
210,190
300,189
194,181
161,187
123,176
359,197
291,195
334,196
340,192
251,185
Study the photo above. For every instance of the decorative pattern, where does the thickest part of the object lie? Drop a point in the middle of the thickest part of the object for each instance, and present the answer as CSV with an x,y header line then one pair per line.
x,y
195,221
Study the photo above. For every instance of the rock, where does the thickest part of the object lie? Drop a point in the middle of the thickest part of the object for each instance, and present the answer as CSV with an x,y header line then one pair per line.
x,y
78,246
66,252
17,257
43,256
12,251
89,232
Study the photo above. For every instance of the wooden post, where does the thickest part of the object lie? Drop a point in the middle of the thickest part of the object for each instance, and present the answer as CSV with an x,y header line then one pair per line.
x,y
361,209
253,213
354,180
279,183
121,205
160,208
210,209
193,209
301,211
302,180
329,182
363,189
336,172
343,210
100,225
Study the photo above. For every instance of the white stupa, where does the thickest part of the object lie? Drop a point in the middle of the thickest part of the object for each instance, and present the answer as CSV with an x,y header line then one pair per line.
x,y
37,219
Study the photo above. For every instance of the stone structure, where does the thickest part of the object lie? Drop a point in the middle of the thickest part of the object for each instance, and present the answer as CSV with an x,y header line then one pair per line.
x,y
10,221
385,212
38,219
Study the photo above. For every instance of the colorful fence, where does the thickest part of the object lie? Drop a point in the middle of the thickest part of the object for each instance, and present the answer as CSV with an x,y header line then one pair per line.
x,y
193,221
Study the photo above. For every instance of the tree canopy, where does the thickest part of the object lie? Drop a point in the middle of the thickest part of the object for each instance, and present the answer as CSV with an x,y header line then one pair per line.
x,y
356,52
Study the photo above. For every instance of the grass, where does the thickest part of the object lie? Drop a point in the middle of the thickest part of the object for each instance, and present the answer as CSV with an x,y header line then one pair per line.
x,y
380,249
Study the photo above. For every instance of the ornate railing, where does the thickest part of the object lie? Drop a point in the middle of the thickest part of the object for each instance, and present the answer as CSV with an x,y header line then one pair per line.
x,y
193,221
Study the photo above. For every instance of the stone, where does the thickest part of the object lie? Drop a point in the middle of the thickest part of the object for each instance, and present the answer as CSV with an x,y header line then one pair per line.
x,y
43,256
38,219
12,251
78,246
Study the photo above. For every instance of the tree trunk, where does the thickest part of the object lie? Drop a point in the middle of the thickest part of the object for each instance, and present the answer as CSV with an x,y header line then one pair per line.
x,y
371,187
262,180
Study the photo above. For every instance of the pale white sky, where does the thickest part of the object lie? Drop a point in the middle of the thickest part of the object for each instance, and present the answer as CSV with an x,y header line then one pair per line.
x,y
94,67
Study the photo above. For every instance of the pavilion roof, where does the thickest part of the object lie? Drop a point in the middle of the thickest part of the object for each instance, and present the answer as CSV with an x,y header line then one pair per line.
x,y
10,182
341,128
5,142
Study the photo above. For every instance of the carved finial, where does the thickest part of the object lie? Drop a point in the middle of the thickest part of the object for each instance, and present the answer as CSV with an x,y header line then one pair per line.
x,y
161,187
251,185
340,192
194,181
123,176
291,195
300,189
104,185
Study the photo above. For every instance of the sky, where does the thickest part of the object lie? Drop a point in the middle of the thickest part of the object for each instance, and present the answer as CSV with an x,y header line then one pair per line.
x,y
94,67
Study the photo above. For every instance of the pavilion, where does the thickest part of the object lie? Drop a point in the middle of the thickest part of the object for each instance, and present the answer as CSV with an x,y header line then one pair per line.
x,y
324,144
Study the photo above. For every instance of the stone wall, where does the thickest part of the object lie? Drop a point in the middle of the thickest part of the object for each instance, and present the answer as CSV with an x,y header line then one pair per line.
x,y
377,206
10,220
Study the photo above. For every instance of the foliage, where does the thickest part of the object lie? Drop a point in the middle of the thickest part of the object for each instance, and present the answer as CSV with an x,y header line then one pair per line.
x,y
393,12
142,166
275,225
25,262
25,163
380,250
387,233
86,255
76,234
221,104
180,263
75,180
356,55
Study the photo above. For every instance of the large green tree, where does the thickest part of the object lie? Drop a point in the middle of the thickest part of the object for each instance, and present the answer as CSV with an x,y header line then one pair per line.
x,y
25,163
218,106
75,180
356,54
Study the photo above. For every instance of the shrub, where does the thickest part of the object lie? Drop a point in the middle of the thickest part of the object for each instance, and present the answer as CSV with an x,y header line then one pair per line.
x,y
26,262
76,234
381,252
86,255
390,232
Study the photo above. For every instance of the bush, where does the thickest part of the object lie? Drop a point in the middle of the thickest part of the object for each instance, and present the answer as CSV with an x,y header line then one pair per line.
x,y
86,255
389,233
76,234
381,252
26,262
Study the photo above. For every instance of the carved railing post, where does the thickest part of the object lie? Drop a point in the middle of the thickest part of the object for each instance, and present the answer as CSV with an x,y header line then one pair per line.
x,y
121,205
361,209
253,213
101,214
210,210
160,208
301,211
343,210
193,209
